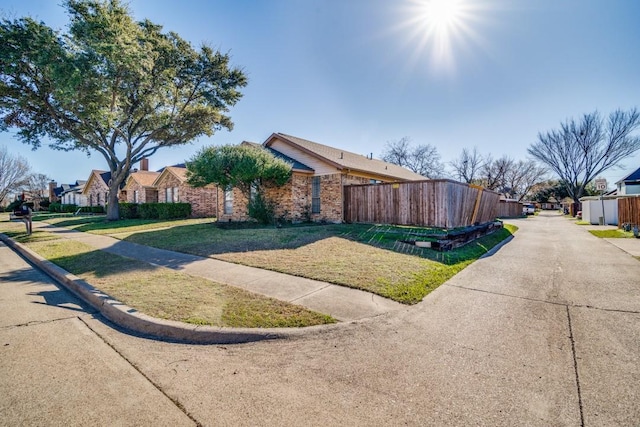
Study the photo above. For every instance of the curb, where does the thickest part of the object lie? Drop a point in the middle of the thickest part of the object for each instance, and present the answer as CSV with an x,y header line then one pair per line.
x,y
135,321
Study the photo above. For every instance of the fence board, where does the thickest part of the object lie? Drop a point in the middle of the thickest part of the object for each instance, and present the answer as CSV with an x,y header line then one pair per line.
x,y
509,209
434,203
628,210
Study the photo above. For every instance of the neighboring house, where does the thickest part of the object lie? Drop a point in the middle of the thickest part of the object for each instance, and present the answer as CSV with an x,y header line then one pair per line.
x,y
96,189
172,187
630,184
139,186
140,189
319,173
71,194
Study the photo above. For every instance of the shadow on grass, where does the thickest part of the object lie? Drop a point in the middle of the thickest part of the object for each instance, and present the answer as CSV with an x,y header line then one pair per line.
x,y
208,240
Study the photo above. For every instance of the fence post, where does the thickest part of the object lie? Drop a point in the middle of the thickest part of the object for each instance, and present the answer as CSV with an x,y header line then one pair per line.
x,y
477,205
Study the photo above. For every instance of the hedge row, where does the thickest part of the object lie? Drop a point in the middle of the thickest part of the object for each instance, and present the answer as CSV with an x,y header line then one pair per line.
x,y
155,210
60,208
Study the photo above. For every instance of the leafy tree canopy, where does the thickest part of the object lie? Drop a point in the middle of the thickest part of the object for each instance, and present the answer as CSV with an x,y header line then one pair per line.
x,y
111,85
241,166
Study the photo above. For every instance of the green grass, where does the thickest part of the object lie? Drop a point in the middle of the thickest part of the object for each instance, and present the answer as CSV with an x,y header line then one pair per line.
x,y
99,225
617,233
167,294
371,258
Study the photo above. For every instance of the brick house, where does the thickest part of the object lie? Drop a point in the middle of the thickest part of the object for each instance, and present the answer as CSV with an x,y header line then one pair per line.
x,y
172,187
319,173
96,189
139,185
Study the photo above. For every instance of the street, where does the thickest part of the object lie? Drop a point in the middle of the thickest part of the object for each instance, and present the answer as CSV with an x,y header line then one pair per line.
x,y
546,331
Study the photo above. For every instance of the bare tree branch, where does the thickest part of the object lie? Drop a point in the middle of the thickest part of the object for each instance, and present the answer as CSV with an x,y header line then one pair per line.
x,y
582,150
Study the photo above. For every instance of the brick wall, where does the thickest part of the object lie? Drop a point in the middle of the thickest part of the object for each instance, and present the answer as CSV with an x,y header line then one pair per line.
x,y
97,193
145,194
202,200
239,207
293,200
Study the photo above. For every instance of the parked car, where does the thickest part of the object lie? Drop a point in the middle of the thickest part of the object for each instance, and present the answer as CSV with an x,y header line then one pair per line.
x,y
528,209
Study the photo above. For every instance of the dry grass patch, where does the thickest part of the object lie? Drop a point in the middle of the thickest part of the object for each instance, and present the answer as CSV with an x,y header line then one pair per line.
x,y
166,294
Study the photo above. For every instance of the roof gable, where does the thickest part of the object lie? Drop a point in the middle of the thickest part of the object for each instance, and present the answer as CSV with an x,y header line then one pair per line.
x,y
177,171
633,177
343,159
143,178
296,165
101,177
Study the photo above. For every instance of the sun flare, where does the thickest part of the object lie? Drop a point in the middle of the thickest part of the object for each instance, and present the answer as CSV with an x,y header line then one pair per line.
x,y
442,14
439,29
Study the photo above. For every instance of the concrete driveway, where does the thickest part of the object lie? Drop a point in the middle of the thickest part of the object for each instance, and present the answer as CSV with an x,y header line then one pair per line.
x,y
544,332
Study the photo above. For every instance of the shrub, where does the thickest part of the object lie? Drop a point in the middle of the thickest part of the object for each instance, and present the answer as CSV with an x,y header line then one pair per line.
x,y
148,210
60,208
13,206
164,210
174,210
92,209
261,209
128,210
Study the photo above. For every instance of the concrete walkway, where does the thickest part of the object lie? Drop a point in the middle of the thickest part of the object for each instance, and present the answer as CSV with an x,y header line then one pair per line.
x,y
344,304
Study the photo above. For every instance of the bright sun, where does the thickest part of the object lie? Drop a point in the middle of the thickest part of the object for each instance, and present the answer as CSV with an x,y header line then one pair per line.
x,y
442,14
438,27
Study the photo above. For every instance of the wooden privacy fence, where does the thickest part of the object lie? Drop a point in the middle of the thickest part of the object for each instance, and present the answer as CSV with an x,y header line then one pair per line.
x,y
509,209
628,210
435,203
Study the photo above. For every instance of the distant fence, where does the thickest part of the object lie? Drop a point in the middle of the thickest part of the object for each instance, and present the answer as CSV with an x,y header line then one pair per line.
x,y
628,210
509,209
434,203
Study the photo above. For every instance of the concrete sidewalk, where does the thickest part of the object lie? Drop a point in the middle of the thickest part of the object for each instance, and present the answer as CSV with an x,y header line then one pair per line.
x,y
344,304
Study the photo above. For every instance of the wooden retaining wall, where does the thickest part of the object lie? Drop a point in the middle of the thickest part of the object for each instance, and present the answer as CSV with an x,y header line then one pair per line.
x,y
509,209
628,210
434,203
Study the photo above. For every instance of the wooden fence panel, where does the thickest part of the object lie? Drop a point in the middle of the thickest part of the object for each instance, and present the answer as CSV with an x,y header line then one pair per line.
x,y
509,209
435,203
628,210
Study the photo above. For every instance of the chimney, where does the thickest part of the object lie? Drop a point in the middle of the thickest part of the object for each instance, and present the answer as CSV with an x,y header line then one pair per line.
x,y
52,193
144,164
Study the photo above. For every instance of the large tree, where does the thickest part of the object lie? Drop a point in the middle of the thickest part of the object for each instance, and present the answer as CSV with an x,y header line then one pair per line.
x,y
422,159
121,88
14,173
582,149
467,166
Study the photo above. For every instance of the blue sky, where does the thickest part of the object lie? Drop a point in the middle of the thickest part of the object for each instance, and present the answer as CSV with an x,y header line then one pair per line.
x,y
355,74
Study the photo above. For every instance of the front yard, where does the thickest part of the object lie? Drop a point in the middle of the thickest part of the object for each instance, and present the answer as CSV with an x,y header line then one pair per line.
x,y
368,257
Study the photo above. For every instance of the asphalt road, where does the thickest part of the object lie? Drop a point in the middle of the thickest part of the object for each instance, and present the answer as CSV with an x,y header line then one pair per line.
x,y
544,332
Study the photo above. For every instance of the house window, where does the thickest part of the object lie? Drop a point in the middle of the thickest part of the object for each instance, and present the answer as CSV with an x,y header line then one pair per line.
x,y
176,199
315,195
136,197
168,193
97,199
228,201
90,199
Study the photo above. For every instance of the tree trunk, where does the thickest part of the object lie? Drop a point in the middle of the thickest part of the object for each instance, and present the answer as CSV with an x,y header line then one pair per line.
x,y
113,209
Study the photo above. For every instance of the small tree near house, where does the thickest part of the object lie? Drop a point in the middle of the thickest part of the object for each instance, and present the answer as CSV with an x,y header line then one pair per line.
x,y
248,168
112,86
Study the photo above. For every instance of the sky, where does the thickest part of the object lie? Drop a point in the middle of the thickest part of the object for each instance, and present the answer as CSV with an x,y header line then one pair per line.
x,y
356,74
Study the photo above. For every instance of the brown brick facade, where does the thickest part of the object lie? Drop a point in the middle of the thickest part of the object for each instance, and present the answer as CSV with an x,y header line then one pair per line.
x,y
202,200
293,200
145,194
97,193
